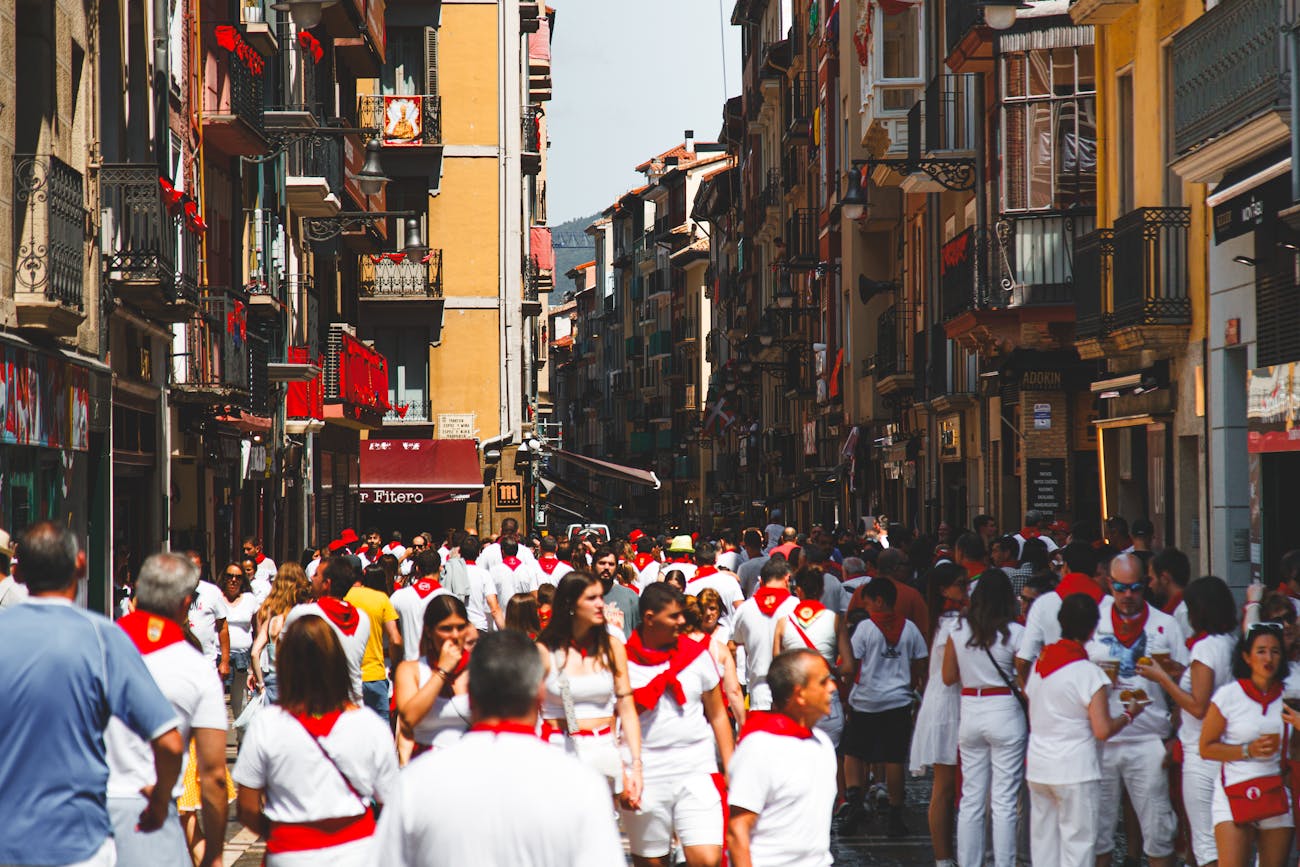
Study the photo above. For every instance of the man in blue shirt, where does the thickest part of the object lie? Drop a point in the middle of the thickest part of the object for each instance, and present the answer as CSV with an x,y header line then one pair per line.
x,y
66,671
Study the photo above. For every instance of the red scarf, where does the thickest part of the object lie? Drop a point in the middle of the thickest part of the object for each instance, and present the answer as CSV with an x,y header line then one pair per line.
x,y
705,571
1056,656
806,612
1129,629
1077,582
259,558
640,561
1175,599
318,726
1264,698
511,563
149,632
341,613
890,625
1191,642
773,724
770,598
544,615
683,654
1028,533
425,586
447,691
548,562
953,605
504,727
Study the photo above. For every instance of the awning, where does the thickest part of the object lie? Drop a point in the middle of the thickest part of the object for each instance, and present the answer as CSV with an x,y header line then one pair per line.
x,y
614,471
419,472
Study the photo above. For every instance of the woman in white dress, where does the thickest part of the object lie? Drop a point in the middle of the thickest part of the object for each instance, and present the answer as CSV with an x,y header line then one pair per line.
x,y
314,768
934,738
432,692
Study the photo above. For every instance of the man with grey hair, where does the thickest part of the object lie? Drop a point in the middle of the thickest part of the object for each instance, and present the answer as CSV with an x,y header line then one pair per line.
x,y
165,588
546,809
1033,530
66,673
855,575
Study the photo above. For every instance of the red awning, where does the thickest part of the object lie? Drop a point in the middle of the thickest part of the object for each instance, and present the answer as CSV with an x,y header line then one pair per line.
x,y
419,472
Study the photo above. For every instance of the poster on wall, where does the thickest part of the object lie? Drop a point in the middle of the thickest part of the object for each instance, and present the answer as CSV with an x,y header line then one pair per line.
x,y
44,401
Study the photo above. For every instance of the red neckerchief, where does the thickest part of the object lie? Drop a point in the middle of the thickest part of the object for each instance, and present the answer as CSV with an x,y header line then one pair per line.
x,y
640,561
773,724
1175,599
834,568
770,598
1253,693
504,727
890,625
425,586
1077,582
1056,656
1191,642
447,691
1129,629
680,558
681,655
806,612
705,571
548,562
341,613
259,558
471,562
952,605
318,726
149,632
511,563
1030,533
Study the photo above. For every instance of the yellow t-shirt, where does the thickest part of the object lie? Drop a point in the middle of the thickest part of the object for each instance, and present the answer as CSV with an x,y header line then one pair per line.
x,y
380,610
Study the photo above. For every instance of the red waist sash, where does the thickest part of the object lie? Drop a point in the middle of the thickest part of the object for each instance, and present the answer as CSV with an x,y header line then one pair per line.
x,y
321,834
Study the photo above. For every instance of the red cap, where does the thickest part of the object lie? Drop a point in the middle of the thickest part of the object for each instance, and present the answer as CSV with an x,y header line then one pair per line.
x,y
348,536
337,545
1058,527
634,535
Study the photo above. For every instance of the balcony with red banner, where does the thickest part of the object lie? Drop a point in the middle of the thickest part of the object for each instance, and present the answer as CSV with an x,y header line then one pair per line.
x,y
355,382
304,402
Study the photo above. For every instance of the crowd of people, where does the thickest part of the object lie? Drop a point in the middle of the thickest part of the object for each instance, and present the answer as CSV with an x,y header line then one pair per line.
x,y
710,698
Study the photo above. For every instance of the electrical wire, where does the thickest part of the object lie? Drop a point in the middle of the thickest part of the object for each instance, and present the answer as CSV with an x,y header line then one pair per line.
x,y
722,38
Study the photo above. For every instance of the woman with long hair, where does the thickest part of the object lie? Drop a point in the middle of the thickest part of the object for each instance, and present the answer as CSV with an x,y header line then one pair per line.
x,y
315,767
389,564
587,684
432,692
522,614
290,588
979,655
702,614
1211,611
1243,729
241,608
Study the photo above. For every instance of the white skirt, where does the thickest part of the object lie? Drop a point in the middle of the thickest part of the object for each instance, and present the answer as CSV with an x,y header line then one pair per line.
x,y
357,853
934,739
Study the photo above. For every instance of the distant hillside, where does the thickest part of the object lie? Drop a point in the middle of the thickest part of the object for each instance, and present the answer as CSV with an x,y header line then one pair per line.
x,y
567,258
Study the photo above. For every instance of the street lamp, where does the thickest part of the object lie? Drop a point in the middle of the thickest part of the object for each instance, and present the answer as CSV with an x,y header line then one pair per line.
x,y
854,203
784,294
371,179
305,13
764,333
999,14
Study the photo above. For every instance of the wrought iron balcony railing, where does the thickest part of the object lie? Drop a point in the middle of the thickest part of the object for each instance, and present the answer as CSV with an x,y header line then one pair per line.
x,y
49,228
890,350
411,277
961,274
317,157
1034,257
801,239
1093,257
418,411
772,190
1150,269
800,103
144,244
404,120
216,346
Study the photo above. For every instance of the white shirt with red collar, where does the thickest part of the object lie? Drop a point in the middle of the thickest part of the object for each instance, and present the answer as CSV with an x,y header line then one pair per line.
x,y
753,627
349,624
811,626
410,602
647,569
491,555
552,569
265,567
676,738
1160,634
514,575
685,567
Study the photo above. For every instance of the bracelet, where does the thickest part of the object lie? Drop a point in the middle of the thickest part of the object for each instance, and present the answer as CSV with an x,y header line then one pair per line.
x,y
622,694
1245,750
445,675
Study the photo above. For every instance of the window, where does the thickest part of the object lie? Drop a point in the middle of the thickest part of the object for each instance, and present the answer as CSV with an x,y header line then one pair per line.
x,y
407,351
1049,129
901,60
1124,139
1173,183
410,61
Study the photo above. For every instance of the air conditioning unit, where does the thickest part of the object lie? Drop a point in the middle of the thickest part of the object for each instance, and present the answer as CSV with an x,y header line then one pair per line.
x,y
333,349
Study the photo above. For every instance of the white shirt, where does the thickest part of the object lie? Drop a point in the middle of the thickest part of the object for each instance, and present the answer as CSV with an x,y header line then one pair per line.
x,y
728,587
481,586
1246,720
192,685
790,783
448,719
558,570
1162,634
514,821
397,549
1214,652
205,616
491,555
820,631
753,629
410,606
354,645
973,663
750,573
261,587
687,570
279,757
239,620
885,678
648,575
848,588
11,592
1041,626
1045,539
729,560
266,569
1184,620
509,582
677,740
1062,748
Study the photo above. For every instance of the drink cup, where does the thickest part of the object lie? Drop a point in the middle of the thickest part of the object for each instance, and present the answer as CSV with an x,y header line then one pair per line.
x,y
1111,667
1273,738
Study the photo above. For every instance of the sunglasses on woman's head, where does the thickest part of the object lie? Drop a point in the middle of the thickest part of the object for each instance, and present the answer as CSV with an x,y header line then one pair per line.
x,y
1267,626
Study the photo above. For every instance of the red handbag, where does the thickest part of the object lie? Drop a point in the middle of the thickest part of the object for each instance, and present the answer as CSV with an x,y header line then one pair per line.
x,y
1257,799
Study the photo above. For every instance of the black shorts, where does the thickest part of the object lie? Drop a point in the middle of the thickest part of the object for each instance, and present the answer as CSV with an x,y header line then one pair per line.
x,y
879,737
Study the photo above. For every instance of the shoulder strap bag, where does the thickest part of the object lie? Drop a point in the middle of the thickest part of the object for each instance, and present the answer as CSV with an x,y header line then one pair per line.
x,y
1010,682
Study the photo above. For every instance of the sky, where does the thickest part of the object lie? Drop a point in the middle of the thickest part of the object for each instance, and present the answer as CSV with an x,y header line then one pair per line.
x,y
630,77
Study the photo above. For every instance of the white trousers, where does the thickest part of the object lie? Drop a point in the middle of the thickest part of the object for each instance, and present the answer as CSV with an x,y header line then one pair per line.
x,y
1199,777
1139,765
1064,829
992,738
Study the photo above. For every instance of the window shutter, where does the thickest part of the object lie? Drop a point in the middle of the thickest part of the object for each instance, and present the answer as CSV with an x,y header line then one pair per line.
x,y
431,60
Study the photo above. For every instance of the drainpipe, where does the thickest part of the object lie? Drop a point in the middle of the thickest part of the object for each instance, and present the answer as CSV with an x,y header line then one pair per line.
x,y
1293,44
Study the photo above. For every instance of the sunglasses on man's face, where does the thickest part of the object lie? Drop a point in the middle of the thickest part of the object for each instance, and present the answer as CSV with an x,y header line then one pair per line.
x,y
1135,587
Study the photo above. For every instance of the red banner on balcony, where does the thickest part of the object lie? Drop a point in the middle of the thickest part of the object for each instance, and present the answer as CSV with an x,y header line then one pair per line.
x,y
540,248
229,38
363,375
305,399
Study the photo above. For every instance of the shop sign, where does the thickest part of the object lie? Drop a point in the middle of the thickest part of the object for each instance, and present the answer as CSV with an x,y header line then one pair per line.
x,y
1246,212
950,438
44,401
510,495
1042,416
1041,380
455,425
1045,480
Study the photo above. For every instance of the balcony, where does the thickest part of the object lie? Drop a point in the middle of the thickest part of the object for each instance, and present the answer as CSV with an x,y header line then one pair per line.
x,y
356,382
970,41
633,347
800,104
409,412
794,167
1151,307
150,257
314,176
1036,257
1231,75
361,46
233,120
772,191
1093,258
530,127
215,368
801,251
405,121
641,442
400,277
941,126
532,288
893,363
659,345
49,244
659,288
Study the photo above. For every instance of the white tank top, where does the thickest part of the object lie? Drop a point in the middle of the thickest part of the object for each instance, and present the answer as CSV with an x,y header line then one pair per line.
x,y
446,721
820,631
593,694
